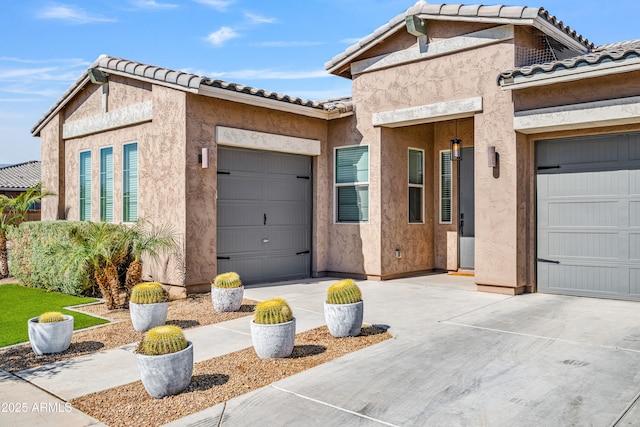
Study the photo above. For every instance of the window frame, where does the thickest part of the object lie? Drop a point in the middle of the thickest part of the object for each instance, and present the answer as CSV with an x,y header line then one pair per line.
x,y
103,178
356,184
126,200
440,188
83,214
411,185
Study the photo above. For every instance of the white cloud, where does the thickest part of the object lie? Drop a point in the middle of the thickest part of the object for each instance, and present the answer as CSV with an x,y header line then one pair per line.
x,y
153,4
287,44
352,40
217,38
268,74
71,14
216,4
258,19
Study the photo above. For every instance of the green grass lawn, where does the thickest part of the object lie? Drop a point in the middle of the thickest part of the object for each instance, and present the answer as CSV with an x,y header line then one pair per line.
x,y
19,303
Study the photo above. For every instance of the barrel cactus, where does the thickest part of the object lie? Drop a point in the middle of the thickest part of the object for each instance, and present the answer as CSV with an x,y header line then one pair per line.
x,y
344,292
272,311
227,280
50,317
165,339
148,293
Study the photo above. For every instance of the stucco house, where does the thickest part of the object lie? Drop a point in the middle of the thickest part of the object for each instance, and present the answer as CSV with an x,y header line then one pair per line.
x,y
489,140
18,178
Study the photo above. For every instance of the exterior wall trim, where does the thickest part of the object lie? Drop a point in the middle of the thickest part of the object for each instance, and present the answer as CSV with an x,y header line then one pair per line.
x,y
424,50
571,117
127,116
429,113
266,141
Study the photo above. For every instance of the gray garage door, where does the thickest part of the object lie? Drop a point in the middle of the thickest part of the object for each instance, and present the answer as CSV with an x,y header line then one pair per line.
x,y
588,215
264,215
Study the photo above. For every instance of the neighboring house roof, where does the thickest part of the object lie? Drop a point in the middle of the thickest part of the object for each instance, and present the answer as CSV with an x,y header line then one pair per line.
x,y
19,177
499,14
608,58
195,84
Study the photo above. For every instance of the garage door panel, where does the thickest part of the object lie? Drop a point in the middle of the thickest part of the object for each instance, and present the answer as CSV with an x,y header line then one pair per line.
x,y
239,214
239,160
588,216
288,214
251,267
296,267
584,214
237,187
584,245
285,164
295,190
239,240
289,238
583,184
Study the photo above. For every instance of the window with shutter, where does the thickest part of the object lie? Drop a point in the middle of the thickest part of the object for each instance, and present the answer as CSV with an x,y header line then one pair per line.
x,y
106,184
445,187
130,182
85,186
416,186
352,184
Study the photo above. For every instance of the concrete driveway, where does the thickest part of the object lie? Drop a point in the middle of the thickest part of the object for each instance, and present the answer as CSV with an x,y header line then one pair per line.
x,y
459,358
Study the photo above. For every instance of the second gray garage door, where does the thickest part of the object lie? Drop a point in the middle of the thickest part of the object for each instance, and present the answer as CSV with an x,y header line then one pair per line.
x,y
588,216
264,215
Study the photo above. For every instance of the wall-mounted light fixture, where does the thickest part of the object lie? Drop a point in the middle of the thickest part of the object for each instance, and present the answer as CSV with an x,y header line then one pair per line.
x,y
97,77
492,157
456,149
203,158
398,254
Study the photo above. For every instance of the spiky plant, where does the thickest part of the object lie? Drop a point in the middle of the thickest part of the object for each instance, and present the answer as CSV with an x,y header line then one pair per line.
x,y
273,311
51,317
344,292
227,280
148,293
149,240
165,339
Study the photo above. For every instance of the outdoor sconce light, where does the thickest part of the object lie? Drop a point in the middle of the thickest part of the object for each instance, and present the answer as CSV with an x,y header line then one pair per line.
x,y
456,149
97,77
398,253
492,157
203,158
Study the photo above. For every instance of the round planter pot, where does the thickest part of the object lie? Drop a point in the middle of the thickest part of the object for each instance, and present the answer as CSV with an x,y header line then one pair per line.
x,y
271,341
167,374
226,299
344,320
46,338
147,316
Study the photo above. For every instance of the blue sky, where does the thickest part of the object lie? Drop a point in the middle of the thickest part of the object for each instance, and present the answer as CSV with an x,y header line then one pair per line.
x,y
276,45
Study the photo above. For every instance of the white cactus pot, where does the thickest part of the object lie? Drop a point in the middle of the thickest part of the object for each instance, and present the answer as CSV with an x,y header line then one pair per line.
x,y
166,374
147,316
272,341
226,299
54,337
344,320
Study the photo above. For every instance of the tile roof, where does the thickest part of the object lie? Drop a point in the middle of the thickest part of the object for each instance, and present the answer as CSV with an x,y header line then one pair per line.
x,y
480,12
182,80
604,53
20,177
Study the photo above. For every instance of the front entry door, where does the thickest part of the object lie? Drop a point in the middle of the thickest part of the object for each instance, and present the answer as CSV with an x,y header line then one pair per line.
x,y
466,221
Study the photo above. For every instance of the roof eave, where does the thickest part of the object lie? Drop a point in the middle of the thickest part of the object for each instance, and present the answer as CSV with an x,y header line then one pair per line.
x,y
573,74
60,104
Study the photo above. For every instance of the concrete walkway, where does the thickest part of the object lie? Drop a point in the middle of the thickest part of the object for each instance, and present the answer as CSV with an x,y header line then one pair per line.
x,y
458,358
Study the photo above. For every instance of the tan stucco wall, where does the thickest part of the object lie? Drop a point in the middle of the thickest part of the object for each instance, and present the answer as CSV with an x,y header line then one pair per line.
x,y
203,115
463,75
52,169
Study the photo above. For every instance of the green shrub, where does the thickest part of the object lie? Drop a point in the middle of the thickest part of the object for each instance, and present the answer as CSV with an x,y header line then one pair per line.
x,y
165,339
51,317
39,257
344,292
227,280
148,293
273,311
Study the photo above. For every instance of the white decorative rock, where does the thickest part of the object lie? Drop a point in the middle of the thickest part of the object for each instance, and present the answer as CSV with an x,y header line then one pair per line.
x,y
344,320
272,341
166,374
54,337
226,299
147,316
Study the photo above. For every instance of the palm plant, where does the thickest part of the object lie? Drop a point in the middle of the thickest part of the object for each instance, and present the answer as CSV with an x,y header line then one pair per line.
x,y
147,239
100,248
13,212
